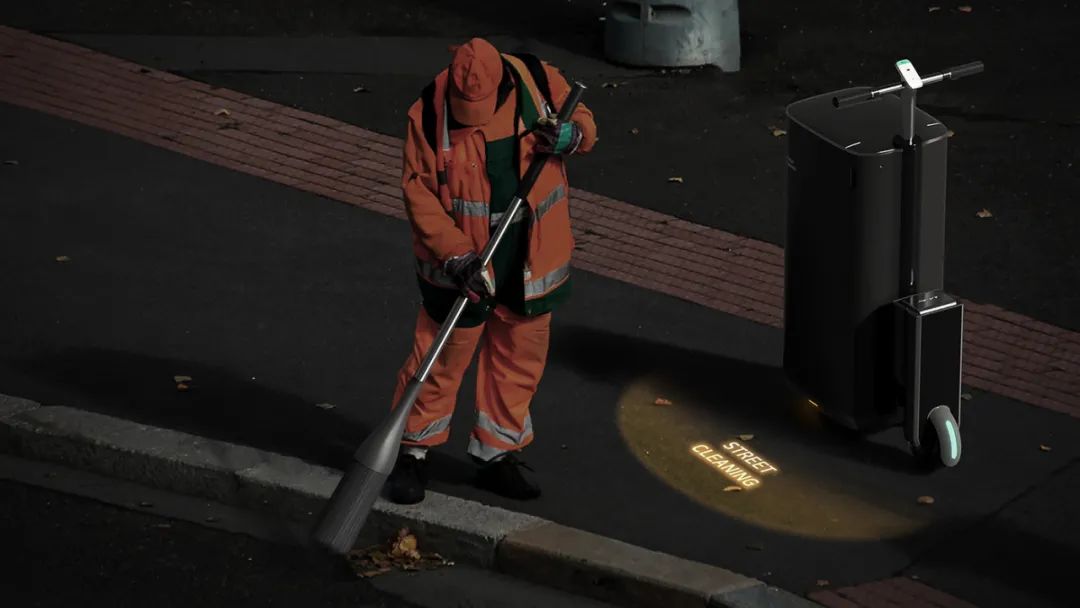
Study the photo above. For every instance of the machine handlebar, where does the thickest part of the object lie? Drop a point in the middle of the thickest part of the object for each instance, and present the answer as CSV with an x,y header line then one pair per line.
x,y
968,69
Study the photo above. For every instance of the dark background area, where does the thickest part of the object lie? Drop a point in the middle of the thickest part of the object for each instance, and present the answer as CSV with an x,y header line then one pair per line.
x,y
1014,151
274,302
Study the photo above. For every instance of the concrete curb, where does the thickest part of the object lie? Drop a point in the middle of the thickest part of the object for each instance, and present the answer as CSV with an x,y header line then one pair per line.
x,y
516,544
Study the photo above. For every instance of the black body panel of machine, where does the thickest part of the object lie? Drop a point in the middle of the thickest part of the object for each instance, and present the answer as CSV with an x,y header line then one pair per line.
x,y
843,257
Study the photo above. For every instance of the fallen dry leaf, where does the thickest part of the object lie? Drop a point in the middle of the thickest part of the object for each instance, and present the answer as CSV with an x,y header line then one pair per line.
x,y
634,131
964,9
182,382
325,406
401,553
1045,448
733,489
776,131
222,112
662,401
822,582
926,500
406,545
675,180
985,213
950,133
746,437
62,259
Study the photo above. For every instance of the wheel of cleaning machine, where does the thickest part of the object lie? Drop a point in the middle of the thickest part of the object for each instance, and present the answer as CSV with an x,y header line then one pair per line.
x,y
939,443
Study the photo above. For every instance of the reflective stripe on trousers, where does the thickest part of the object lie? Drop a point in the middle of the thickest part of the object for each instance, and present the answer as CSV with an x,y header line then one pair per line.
x,y
485,422
484,452
438,426
515,440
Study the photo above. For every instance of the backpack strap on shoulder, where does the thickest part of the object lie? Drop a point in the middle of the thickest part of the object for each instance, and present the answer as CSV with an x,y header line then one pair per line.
x,y
428,123
427,116
539,76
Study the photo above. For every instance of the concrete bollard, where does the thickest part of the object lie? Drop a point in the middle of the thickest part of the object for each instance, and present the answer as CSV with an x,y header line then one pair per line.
x,y
673,33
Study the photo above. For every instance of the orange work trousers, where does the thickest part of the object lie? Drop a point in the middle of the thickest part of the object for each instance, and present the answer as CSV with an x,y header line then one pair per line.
x,y
512,360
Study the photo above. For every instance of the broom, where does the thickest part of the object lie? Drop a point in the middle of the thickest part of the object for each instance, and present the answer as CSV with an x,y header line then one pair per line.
x,y
353,498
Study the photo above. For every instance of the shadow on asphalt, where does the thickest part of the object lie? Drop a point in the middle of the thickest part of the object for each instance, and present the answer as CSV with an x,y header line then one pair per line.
x,y
983,560
218,404
754,395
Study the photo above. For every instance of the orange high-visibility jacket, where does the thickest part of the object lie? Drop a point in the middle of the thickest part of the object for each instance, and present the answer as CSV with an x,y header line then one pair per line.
x,y
447,193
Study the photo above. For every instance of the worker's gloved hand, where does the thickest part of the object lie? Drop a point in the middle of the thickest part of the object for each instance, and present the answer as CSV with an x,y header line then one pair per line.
x,y
471,277
557,137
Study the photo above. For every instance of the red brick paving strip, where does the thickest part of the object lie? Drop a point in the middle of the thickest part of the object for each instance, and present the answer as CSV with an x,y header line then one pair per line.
x,y
1005,353
897,592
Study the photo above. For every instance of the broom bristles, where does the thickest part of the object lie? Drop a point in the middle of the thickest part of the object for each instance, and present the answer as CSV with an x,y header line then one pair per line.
x,y
348,508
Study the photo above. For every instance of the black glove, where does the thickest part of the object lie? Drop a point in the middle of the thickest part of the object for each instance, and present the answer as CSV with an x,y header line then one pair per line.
x,y
470,276
557,137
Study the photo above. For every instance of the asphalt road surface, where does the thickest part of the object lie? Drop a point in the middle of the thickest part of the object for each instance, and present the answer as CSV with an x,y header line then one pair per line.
x,y
72,538
66,550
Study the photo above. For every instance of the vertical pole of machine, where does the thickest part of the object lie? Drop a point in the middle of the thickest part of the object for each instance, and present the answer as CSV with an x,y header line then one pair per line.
x,y
907,104
910,188
907,347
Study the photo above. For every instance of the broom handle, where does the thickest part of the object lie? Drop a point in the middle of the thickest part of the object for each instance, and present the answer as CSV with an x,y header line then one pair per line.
x,y
524,187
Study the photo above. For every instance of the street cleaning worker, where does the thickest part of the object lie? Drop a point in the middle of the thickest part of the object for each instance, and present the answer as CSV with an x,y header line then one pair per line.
x,y
471,137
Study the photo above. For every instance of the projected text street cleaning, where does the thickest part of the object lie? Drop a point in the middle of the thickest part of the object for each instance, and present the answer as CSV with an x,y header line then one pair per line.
x,y
736,467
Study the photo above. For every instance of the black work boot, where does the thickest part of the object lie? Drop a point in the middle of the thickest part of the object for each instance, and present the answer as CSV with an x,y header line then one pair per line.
x,y
504,477
408,480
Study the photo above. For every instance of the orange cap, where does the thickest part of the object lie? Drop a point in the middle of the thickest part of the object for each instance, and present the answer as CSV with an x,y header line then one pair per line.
x,y
475,74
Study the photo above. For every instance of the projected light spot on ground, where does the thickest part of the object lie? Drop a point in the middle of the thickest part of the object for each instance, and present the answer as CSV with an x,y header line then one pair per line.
x,y
799,497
